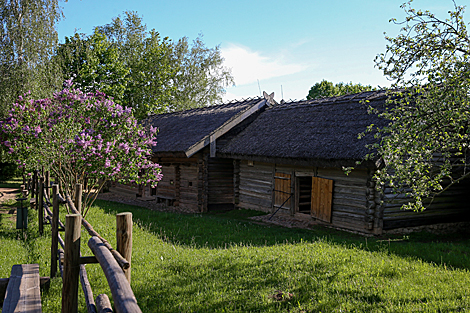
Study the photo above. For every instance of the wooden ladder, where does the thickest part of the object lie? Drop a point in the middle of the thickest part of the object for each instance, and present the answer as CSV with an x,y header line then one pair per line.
x,y
23,293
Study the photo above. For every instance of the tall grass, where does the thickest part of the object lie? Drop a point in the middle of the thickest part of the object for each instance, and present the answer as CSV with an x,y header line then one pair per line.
x,y
225,263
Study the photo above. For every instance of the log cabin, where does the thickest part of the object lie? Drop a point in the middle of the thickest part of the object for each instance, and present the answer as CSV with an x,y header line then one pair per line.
x,y
288,158
193,177
292,157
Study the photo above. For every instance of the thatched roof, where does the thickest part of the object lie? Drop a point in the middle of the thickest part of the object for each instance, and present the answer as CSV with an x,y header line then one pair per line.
x,y
322,129
180,131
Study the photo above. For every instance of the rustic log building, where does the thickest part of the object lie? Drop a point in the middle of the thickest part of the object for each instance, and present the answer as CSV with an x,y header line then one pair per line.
x,y
193,177
260,155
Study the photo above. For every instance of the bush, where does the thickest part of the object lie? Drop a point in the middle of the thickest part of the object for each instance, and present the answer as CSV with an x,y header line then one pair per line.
x,y
8,171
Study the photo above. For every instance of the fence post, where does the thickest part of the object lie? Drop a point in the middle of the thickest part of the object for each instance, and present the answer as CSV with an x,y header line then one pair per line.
x,y
40,205
47,183
78,197
34,184
124,239
71,263
55,230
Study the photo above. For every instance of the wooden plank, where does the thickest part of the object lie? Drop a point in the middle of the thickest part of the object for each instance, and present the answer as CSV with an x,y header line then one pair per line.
x,y
322,196
23,293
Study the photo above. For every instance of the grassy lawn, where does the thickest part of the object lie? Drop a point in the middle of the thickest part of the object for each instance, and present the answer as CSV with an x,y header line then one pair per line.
x,y
225,263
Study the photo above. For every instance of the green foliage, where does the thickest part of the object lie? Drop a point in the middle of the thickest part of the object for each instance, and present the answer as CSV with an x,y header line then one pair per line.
x,y
28,40
163,76
94,65
426,143
201,77
148,56
8,170
81,138
326,89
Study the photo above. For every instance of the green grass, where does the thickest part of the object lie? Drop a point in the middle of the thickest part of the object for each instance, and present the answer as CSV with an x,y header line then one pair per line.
x,y
225,263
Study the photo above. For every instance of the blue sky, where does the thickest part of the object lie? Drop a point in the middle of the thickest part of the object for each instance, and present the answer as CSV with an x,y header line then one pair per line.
x,y
292,44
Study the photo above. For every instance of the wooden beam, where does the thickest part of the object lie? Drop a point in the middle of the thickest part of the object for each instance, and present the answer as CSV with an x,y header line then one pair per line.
x,y
55,230
123,263
71,263
86,287
88,259
23,293
123,296
124,239
213,147
103,305
40,206
225,128
78,197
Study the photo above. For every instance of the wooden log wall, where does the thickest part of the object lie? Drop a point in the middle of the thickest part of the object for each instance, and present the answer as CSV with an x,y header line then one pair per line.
x,y
220,181
189,187
450,206
202,180
353,205
256,186
236,182
181,181
166,187
350,199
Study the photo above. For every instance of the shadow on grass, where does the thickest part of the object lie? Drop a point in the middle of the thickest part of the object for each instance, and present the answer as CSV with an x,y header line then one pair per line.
x,y
14,183
233,227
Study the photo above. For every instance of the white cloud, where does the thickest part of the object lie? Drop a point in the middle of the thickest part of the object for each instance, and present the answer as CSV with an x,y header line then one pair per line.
x,y
249,66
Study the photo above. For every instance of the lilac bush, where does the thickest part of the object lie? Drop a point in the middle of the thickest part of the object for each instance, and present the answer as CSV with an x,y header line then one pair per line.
x,y
80,138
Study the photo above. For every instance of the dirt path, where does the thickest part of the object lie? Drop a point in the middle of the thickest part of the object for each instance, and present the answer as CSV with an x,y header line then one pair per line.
x,y
8,196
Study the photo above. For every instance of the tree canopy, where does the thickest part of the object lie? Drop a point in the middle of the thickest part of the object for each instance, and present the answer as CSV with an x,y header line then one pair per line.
x,y
80,138
94,65
325,89
162,75
27,43
425,146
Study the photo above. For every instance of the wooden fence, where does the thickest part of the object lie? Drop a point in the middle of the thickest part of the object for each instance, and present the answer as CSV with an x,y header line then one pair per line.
x,y
115,263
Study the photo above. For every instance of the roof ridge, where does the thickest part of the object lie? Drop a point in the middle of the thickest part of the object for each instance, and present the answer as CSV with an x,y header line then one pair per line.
x,y
208,107
355,97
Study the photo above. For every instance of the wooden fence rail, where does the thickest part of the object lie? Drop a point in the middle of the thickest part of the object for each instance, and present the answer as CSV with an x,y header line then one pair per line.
x,y
115,263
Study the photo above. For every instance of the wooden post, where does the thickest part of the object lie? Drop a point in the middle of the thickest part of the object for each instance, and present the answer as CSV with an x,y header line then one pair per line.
x,y
124,239
55,230
40,206
71,263
47,183
78,197
34,185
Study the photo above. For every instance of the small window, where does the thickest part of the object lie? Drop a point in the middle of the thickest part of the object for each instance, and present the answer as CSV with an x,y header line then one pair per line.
x,y
250,163
171,182
190,184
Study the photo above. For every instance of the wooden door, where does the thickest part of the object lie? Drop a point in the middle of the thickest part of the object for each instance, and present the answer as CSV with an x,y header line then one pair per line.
x,y
322,198
282,190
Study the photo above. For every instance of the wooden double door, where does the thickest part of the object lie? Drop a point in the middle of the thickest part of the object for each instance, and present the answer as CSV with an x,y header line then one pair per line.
x,y
314,196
